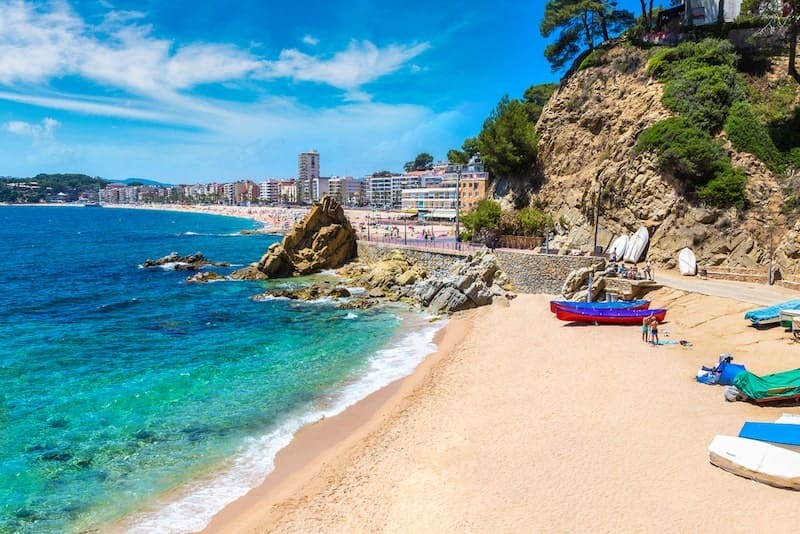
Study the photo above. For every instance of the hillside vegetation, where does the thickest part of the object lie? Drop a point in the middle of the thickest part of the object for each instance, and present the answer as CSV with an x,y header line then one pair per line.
x,y
700,143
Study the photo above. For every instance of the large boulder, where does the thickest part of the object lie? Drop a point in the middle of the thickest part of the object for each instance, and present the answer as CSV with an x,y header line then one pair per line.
x,y
323,240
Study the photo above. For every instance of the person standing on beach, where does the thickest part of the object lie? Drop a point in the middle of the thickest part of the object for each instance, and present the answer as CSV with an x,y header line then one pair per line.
x,y
654,331
648,270
646,328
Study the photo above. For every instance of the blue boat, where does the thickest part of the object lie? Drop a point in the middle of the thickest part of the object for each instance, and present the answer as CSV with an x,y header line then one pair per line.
x,y
640,304
771,314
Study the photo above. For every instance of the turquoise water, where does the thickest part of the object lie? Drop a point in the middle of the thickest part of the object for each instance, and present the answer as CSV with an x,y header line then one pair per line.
x,y
124,390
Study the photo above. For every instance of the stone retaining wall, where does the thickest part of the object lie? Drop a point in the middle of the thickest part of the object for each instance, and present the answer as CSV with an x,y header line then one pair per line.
x,y
530,273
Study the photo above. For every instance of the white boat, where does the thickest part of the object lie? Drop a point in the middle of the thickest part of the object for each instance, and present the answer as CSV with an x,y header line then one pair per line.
x,y
687,263
787,315
618,246
756,460
636,245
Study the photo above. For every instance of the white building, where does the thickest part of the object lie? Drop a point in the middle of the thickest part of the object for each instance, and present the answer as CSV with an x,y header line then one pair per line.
x,y
307,172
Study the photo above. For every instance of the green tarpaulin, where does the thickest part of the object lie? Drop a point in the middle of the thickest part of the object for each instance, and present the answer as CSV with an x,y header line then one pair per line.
x,y
783,384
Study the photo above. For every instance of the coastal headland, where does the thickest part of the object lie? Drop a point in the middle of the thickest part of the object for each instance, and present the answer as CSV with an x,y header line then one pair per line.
x,y
520,422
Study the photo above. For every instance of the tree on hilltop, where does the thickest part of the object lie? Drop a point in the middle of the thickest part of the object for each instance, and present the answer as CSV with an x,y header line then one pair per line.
x,y
422,162
580,23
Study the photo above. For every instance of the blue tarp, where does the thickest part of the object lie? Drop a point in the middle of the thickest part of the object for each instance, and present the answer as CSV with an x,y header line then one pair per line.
x,y
771,312
784,433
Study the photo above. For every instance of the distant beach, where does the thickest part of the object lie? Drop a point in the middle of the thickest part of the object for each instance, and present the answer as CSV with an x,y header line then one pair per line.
x,y
279,220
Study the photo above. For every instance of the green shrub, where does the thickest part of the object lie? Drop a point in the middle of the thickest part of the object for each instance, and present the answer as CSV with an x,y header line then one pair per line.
x,y
485,215
794,158
533,221
668,63
703,95
593,59
683,148
726,189
747,134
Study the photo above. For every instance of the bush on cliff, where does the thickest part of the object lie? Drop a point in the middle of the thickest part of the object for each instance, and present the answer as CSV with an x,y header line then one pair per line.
x,y
485,215
726,189
748,135
682,148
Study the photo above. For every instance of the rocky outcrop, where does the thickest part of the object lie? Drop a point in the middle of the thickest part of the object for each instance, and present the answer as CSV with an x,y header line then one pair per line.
x,y
475,281
206,276
191,262
587,137
323,240
310,292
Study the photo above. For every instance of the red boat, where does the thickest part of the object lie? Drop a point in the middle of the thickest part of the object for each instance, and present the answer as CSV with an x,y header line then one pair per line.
x,y
610,316
640,304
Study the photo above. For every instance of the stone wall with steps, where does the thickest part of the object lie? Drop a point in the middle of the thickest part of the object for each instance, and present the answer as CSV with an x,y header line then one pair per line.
x,y
528,272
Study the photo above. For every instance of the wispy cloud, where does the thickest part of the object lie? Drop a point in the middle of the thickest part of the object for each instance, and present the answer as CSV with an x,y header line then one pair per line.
x,y
310,40
36,45
361,63
43,130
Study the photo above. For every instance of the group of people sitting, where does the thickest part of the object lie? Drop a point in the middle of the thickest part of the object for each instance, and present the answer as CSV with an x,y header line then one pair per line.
x,y
633,272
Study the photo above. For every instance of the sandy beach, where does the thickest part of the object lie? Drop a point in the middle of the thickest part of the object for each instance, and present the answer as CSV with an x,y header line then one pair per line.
x,y
522,423
385,224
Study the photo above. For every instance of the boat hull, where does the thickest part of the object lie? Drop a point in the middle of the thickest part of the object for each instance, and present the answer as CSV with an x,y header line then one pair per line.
x,y
640,304
610,316
756,460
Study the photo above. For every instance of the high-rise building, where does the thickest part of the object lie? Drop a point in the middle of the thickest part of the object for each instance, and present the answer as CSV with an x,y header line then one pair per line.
x,y
307,173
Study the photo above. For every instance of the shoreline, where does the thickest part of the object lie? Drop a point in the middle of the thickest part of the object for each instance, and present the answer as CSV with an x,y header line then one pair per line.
x,y
327,440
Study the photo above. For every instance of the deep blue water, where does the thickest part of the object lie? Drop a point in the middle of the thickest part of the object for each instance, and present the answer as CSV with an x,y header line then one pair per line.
x,y
125,391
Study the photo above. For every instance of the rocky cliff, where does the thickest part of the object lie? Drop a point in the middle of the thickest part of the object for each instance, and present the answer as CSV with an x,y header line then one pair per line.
x,y
588,132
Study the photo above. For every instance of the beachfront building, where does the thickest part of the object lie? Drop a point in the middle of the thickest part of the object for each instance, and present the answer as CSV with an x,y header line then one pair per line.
x,y
287,191
307,172
320,187
386,190
348,190
430,203
472,183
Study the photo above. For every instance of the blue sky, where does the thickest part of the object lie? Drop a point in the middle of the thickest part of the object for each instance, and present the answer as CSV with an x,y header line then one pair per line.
x,y
187,92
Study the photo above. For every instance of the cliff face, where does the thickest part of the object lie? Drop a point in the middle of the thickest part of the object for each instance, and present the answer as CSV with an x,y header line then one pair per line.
x,y
588,133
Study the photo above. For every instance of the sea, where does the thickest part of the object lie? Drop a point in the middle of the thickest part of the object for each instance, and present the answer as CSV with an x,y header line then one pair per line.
x,y
131,397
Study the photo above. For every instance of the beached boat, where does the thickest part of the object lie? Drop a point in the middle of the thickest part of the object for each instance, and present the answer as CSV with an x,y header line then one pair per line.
x,y
610,316
770,315
784,431
786,317
774,387
756,460
618,247
636,245
687,263
640,304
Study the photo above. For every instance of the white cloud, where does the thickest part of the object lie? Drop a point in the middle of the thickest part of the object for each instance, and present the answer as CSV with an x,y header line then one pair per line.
x,y
349,69
310,40
36,131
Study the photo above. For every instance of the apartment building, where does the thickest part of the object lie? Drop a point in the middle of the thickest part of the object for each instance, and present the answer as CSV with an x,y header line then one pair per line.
x,y
307,172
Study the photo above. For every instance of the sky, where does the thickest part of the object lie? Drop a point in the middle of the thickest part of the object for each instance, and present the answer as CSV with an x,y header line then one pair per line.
x,y
202,91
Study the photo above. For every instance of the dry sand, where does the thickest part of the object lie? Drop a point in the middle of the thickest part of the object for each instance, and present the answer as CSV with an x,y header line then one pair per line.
x,y
522,423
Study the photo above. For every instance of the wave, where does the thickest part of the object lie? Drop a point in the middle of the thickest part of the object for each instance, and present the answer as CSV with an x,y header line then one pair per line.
x,y
230,234
197,503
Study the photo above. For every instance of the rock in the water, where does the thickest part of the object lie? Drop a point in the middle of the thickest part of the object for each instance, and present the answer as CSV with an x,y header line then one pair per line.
x,y
206,276
323,240
192,262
